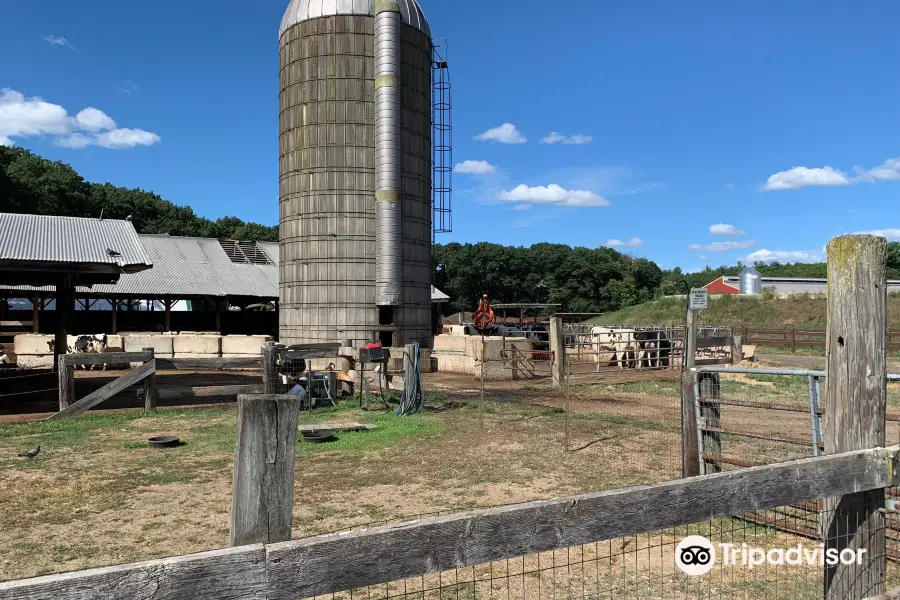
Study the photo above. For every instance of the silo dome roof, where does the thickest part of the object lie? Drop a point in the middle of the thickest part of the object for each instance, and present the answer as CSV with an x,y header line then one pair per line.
x,y
304,10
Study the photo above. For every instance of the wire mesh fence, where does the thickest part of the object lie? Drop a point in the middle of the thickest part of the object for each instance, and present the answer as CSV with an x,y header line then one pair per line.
x,y
749,560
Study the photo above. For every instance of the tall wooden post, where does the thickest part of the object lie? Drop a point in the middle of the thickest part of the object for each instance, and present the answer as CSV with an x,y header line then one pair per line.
x,y
65,291
218,316
36,314
150,394
168,317
263,490
855,406
66,375
557,351
690,453
268,366
115,314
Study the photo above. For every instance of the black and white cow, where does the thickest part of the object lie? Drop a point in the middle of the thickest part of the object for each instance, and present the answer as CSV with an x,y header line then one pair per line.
x,y
85,344
91,344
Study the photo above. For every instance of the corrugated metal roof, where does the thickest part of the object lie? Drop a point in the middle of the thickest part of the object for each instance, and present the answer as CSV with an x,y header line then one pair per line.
x,y
40,238
189,266
304,10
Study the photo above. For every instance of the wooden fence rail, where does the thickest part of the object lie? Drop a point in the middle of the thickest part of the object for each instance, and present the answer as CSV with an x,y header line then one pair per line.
x,y
800,338
338,562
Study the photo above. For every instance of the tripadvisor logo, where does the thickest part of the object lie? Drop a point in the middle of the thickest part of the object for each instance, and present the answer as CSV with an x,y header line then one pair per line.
x,y
696,555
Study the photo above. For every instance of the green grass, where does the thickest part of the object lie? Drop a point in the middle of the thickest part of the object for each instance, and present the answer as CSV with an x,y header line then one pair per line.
x,y
799,311
625,421
391,430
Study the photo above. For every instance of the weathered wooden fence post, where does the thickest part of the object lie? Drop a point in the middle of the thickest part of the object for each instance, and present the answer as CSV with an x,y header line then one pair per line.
x,y
710,415
66,375
557,351
268,367
263,488
150,394
737,349
690,452
855,406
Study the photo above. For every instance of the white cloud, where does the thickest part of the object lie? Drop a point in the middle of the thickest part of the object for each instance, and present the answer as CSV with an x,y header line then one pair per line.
x,y
522,207
892,235
505,134
786,256
59,41
555,138
129,87
634,242
29,117
552,194
578,139
725,229
75,140
127,138
703,258
800,177
475,167
722,246
889,170
92,119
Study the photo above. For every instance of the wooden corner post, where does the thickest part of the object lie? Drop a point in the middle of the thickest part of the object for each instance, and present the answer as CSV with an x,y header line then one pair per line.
x,y
557,351
690,451
855,406
151,395
66,374
263,489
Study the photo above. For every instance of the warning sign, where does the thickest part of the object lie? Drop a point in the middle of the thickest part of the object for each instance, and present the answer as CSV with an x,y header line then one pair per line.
x,y
483,317
699,298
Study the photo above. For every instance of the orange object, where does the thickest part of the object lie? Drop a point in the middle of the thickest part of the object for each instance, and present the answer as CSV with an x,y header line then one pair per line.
x,y
483,317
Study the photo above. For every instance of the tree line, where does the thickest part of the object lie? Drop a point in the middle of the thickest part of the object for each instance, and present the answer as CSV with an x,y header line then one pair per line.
x,y
32,184
583,280
586,280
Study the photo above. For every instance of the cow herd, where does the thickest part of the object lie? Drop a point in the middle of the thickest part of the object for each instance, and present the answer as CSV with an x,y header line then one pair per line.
x,y
85,344
630,348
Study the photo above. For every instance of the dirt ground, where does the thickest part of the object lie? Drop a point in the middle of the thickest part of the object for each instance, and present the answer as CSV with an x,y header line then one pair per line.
x,y
96,495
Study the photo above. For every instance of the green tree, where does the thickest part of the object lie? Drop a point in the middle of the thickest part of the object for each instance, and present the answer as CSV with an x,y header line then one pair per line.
x,y
31,184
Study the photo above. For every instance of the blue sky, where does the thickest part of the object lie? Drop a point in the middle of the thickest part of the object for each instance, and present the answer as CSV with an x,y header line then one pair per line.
x,y
669,118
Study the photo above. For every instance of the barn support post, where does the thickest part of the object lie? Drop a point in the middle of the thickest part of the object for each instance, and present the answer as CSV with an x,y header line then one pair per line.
x,y
218,315
557,351
690,453
855,406
151,395
263,491
115,312
168,318
65,290
36,314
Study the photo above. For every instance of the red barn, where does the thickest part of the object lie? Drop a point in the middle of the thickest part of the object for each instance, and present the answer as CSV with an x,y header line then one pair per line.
x,y
720,287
